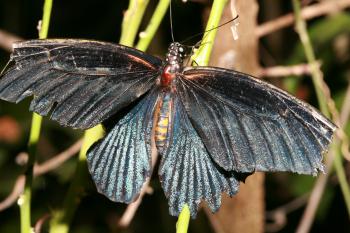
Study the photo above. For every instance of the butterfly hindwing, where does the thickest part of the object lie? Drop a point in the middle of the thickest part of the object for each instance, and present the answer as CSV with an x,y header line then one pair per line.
x,y
82,82
120,163
188,174
248,125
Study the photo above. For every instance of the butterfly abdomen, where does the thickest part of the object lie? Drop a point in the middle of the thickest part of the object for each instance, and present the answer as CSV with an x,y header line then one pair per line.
x,y
163,122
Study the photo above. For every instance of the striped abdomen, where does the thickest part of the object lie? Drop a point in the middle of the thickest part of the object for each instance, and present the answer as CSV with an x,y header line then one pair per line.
x,y
163,122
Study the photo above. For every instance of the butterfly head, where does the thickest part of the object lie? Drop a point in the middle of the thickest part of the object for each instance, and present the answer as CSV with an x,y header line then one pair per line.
x,y
174,59
177,53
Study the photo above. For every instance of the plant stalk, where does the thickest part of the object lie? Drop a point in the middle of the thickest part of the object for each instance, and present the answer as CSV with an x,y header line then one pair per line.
x,y
202,59
131,21
321,89
147,35
25,198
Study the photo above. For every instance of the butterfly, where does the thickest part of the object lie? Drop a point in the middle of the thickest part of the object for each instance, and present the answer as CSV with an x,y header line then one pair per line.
x,y
210,125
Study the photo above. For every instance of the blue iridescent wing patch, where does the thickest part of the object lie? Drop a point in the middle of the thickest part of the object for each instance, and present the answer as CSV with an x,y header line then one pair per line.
x,y
248,125
82,82
121,162
188,174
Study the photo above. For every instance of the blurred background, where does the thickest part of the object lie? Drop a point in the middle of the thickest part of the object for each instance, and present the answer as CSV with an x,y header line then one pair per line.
x,y
101,20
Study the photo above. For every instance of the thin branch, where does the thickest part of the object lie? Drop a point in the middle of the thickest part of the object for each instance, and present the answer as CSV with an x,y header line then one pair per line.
x,y
39,169
279,215
13,196
130,211
281,71
322,8
132,20
61,218
328,108
315,197
147,35
7,39
24,201
40,223
57,160
320,185
344,115
215,224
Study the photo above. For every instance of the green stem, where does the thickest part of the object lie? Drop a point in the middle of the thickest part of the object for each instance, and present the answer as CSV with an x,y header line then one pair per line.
x,y
61,219
344,185
147,35
25,198
131,21
202,59
183,220
310,56
203,55
46,19
319,85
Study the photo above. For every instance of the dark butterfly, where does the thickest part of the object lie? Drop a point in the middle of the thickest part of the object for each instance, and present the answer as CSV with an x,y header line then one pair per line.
x,y
210,125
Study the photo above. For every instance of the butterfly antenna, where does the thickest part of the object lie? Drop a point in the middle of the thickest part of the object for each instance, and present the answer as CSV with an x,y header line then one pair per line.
x,y
171,22
7,64
201,33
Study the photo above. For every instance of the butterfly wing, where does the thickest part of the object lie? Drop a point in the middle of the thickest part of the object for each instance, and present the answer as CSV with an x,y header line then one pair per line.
x,y
120,162
248,125
188,174
83,82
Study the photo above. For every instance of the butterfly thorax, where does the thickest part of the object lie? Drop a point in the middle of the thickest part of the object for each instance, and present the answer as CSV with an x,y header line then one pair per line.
x,y
173,63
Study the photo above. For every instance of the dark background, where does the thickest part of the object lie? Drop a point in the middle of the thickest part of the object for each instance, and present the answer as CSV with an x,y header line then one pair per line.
x,y
100,20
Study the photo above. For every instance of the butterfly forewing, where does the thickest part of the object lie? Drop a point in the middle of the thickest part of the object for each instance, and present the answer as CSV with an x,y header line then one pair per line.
x,y
248,125
83,82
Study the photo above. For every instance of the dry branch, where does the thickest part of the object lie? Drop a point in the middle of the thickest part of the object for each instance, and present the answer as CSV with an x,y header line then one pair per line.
x,y
279,215
281,71
39,169
7,39
322,8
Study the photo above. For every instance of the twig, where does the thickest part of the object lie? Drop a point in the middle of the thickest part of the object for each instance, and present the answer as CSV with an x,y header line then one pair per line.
x,y
24,201
328,108
40,223
345,113
130,211
321,182
279,215
131,21
7,39
57,160
39,169
147,35
61,218
13,196
215,224
322,8
344,116
315,197
202,57
281,71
